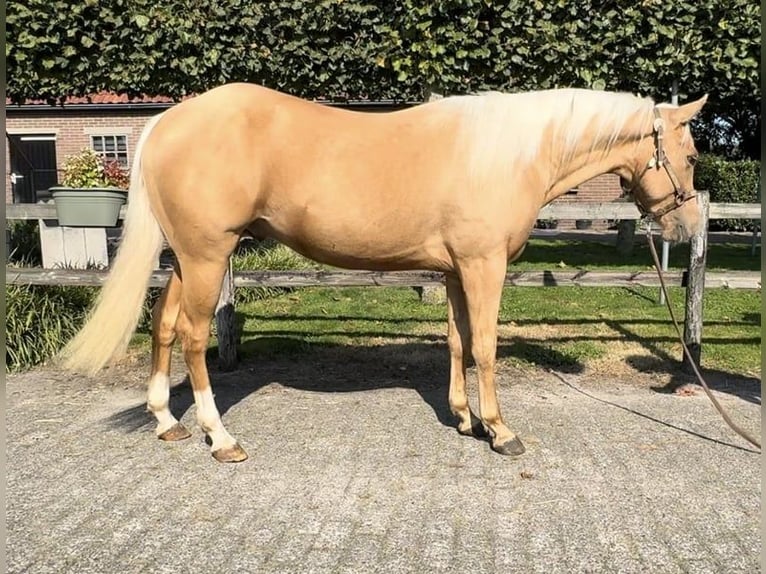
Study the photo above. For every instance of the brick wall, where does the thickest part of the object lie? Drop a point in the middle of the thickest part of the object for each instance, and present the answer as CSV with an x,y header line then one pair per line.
x,y
604,188
73,130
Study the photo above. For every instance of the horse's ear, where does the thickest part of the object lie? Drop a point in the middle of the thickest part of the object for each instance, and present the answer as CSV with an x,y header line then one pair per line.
x,y
684,114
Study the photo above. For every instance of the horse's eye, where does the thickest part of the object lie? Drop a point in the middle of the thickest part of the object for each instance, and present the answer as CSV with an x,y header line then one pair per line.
x,y
692,159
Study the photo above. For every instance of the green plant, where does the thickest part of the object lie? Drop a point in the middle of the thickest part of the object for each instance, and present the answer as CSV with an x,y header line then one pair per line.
x,y
40,320
729,181
145,322
88,169
267,256
24,248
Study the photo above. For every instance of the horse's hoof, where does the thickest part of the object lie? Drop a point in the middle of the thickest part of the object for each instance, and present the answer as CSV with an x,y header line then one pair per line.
x,y
513,447
230,454
476,430
176,432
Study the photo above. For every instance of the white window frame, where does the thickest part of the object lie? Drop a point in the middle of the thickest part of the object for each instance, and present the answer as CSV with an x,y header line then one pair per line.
x,y
114,154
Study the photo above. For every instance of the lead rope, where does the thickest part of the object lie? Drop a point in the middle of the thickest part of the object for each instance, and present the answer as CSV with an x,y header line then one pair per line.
x,y
748,437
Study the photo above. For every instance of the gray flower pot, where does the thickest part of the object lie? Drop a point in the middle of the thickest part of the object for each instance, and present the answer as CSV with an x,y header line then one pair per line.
x,y
90,207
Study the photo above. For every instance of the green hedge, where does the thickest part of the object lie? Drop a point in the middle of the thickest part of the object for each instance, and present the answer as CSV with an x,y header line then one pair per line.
x,y
340,49
379,49
729,182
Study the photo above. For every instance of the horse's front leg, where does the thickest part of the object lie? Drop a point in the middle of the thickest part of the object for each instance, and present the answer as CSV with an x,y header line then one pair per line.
x,y
482,281
459,340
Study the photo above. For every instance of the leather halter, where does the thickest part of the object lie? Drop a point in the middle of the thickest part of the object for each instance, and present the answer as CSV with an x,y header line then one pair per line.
x,y
660,160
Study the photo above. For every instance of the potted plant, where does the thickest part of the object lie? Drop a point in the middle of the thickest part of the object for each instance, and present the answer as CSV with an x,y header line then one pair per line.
x,y
93,191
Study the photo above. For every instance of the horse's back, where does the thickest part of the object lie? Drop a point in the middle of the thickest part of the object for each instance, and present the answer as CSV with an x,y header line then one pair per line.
x,y
374,190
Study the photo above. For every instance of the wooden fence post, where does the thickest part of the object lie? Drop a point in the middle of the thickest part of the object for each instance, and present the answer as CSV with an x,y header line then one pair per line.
x,y
626,236
696,284
225,323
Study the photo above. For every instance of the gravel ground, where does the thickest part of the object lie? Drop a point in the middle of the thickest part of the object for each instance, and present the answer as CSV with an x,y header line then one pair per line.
x,y
355,466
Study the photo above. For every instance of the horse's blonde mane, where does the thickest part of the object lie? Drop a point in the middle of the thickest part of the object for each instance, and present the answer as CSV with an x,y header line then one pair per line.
x,y
508,131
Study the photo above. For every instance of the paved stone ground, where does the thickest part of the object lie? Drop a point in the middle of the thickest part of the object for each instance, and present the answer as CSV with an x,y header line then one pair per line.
x,y
371,477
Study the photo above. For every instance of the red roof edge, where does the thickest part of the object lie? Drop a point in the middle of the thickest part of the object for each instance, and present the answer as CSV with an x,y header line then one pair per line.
x,y
109,98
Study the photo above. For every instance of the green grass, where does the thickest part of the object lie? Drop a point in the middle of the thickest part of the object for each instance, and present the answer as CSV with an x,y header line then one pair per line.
x,y
596,328
612,317
606,330
336,316
542,254
577,328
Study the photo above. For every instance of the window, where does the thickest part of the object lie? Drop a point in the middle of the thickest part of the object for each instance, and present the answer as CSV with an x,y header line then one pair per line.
x,y
111,147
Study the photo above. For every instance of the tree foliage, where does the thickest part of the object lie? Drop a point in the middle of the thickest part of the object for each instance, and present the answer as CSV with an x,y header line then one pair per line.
x,y
357,49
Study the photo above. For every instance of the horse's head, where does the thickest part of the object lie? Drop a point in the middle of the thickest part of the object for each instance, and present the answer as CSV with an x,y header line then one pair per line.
x,y
662,176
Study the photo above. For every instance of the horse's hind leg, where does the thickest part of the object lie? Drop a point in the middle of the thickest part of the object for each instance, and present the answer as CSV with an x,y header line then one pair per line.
x,y
482,281
164,316
459,339
202,280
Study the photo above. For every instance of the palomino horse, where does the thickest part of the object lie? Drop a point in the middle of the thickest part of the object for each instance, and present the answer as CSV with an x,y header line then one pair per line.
x,y
454,186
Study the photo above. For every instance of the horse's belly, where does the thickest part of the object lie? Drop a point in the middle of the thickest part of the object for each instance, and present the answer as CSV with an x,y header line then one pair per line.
x,y
359,246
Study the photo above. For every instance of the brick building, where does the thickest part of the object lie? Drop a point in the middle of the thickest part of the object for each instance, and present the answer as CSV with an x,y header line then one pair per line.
x,y
41,136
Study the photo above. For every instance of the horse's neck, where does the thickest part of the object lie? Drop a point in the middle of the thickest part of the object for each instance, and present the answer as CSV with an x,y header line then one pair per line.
x,y
580,169
587,161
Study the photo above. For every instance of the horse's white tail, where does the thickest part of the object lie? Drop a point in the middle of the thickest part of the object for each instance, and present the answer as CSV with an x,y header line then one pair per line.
x,y
114,317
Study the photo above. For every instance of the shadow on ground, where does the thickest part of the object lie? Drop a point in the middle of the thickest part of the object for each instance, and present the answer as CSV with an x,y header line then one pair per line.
x,y
746,388
295,363
422,366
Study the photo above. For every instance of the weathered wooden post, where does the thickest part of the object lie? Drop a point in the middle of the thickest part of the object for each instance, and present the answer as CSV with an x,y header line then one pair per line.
x,y
626,236
695,286
225,323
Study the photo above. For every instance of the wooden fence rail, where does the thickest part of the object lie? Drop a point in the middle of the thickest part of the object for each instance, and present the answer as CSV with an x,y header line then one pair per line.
x,y
695,279
558,278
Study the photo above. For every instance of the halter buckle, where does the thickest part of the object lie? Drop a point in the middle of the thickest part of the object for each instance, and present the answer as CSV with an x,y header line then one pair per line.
x,y
659,160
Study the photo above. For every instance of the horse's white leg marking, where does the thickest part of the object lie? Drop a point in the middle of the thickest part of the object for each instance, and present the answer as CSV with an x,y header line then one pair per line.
x,y
158,401
210,420
201,288
164,316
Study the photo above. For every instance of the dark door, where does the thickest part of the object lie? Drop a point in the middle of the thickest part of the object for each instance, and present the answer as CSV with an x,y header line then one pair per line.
x,y
33,166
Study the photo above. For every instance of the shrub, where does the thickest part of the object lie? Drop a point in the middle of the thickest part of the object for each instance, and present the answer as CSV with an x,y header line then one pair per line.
x,y
40,320
24,247
145,322
266,255
728,181
88,169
